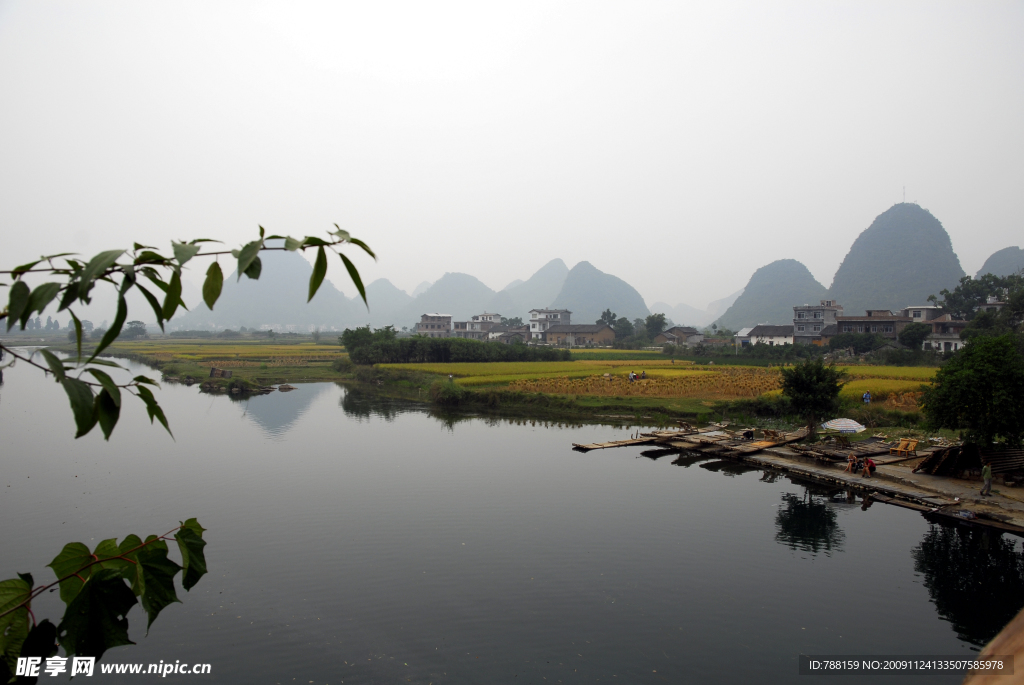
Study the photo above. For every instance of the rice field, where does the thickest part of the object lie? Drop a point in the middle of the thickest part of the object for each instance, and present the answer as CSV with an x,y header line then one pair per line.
x,y
230,354
921,373
725,383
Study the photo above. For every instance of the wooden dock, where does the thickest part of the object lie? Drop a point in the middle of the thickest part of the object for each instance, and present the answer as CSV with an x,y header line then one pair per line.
x,y
715,441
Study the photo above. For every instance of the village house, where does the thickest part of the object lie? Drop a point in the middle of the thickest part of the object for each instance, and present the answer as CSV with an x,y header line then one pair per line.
x,y
742,337
768,334
542,319
883,322
578,335
519,334
809,321
945,335
478,327
435,325
679,335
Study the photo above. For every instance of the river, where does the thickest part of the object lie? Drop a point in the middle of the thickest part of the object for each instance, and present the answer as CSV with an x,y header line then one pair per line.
x,y
359,540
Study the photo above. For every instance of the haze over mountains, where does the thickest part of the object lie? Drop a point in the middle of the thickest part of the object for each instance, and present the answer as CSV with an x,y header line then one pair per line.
x,y
904,256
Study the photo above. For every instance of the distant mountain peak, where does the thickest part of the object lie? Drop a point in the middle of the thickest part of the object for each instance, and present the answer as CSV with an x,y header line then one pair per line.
x,y
1004,262
770,295
904,256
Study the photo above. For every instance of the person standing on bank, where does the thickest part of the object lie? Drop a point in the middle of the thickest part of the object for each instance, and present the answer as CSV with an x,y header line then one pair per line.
x,y
866,397
986,475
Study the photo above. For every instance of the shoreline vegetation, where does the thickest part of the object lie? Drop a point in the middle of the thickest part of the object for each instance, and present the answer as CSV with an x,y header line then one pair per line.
x,y
589,385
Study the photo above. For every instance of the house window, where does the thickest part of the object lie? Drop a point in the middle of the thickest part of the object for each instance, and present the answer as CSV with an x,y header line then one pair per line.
x,y
887,329
817,315
847,328
860,329
874,329
817,327
801,315
917,313
800,328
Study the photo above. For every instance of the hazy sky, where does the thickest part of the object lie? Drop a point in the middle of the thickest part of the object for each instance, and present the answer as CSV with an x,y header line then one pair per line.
x,y
677,145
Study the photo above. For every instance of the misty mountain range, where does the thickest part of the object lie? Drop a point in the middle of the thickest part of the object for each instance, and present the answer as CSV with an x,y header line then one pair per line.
x,y
904,256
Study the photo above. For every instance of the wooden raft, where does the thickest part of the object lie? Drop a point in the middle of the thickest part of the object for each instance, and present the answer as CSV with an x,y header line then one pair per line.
x,y
711,440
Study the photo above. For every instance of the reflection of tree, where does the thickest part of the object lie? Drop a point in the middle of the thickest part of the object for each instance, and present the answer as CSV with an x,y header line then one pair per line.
x,y
729,468
808,524
362,405
975,578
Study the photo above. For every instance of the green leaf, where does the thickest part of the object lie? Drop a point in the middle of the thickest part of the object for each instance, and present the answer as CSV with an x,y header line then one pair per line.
x,y
152,408
254,269
158,573
212,285
146,380
246,256
106,362
341,233
17,304
56,365
95,620
354,275
19,270
70,561
312,241
184,251
130,571
155,304
108,411
115,328
13,626
108,384
41,641
81,398
292,244
366,248
173,295
78,333
42,296
96,266
319,271
191,544
68,298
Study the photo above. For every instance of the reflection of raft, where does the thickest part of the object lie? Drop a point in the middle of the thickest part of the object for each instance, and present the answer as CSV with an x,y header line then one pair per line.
x,y
286,388
710,440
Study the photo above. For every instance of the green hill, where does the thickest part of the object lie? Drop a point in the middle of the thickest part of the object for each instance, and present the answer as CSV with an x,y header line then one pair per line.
x,y
771,294
904,256
587,292
1006,261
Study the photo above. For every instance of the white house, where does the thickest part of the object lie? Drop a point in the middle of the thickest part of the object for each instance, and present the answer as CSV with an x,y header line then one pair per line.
x,y
771,335
543,319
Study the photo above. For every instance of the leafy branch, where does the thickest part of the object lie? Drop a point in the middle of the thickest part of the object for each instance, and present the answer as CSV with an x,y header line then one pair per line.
x,y
147,271
98,588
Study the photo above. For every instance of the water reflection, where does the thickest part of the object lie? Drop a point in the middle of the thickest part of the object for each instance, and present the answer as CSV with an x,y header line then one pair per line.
x,y
729,468
808,523
277,412
975,579
362,405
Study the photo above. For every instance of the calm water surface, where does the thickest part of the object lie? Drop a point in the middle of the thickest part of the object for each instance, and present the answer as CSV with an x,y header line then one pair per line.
x,y
358,540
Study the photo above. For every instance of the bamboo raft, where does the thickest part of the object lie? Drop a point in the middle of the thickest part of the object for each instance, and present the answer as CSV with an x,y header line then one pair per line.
x,y
712,440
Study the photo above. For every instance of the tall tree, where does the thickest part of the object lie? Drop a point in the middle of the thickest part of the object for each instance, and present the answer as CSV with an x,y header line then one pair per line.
x,y
607,317
980,391
654,324
913,336
813,390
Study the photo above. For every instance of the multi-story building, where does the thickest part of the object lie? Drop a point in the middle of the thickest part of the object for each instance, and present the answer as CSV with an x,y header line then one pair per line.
x,y
435,325
543,319
809,321
478,327
945,335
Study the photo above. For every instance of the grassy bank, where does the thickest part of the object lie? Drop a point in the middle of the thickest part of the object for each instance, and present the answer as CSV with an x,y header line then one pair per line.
x,y
593,386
